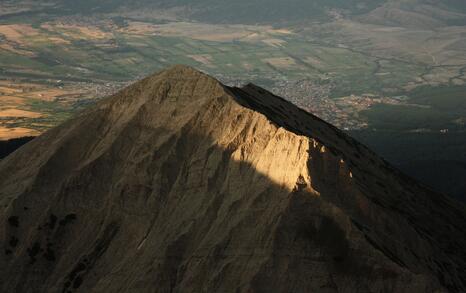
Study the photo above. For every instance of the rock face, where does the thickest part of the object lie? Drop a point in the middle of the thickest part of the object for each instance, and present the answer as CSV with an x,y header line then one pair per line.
x,y
181,184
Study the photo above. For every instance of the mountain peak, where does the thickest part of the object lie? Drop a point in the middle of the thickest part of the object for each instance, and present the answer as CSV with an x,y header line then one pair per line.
x,y
181,70
179,182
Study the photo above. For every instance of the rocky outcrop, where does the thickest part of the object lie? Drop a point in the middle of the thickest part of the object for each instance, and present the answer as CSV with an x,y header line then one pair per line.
x,y
181,184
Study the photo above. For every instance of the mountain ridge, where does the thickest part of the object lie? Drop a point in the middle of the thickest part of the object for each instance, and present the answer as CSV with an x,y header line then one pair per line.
x,y
179,183
406,13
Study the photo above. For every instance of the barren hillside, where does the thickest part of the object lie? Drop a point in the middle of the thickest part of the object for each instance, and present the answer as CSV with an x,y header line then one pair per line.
x,y
180,184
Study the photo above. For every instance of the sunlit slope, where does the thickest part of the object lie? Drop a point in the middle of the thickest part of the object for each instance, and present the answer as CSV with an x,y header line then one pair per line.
x,y
181,184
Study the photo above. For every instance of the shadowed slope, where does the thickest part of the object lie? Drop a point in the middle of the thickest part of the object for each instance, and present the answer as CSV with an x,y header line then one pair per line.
x,y
179,184
9,146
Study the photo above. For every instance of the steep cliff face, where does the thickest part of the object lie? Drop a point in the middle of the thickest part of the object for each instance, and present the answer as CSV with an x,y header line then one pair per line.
x,y
180,184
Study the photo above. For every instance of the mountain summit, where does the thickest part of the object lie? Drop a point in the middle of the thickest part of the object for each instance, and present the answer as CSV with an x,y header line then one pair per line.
x,y
181,184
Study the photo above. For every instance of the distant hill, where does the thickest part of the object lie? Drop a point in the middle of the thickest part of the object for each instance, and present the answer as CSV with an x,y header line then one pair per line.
x,y
241,11
418,13
408,13
427,13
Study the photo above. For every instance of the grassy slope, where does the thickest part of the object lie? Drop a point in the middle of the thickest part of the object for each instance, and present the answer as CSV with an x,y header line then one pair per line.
x,y
241,11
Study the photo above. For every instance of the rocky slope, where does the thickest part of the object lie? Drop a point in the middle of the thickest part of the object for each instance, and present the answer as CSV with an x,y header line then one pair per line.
x,y
180,184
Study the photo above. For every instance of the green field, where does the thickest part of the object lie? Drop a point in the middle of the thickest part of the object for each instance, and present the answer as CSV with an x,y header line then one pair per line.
x,y
435,108
123,56
347,57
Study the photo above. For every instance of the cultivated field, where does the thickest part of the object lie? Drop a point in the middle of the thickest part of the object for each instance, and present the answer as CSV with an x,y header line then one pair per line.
x,y
55,65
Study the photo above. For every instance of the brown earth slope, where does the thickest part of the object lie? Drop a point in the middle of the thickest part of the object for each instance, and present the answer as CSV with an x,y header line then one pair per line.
x,y
180,184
